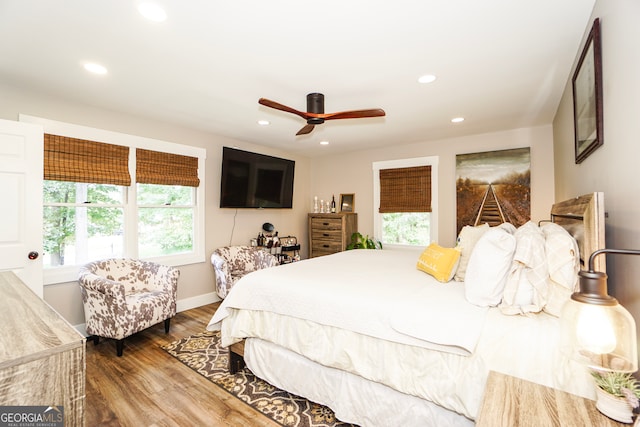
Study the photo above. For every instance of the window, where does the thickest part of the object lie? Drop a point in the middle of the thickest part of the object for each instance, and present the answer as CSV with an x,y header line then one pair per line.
x,y
147,204
398,222
82,222
165,220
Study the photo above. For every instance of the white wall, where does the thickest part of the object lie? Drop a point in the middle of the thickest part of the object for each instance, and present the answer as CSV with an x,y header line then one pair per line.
x,y
196,285
614,167
352,173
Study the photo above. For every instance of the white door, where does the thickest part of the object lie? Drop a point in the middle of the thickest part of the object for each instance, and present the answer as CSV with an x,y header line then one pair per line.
x,y
21,166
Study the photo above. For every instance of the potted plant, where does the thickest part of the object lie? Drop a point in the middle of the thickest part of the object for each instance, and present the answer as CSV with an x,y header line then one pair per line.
x,y
617,395
358,241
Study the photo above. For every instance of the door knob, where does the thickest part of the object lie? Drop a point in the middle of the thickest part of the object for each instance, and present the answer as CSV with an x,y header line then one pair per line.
x,y
33,255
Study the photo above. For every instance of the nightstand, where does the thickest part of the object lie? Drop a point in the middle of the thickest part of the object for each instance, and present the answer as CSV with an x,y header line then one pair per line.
x,y
510,401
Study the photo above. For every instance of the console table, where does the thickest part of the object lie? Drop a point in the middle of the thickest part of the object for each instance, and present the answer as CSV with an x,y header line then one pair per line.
x,y
42,357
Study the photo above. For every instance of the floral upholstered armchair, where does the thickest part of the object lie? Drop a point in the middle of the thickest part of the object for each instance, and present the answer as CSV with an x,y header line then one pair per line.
x,y
123,296
230,263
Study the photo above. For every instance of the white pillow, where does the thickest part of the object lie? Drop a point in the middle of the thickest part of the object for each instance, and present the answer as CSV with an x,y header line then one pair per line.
x,y
467,239
488,267
507,226
527,285
563,264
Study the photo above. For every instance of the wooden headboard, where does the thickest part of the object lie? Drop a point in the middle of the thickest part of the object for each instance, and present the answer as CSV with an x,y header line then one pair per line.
x,y
583,218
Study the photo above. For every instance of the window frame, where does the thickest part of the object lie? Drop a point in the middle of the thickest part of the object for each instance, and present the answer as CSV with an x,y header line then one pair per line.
x,y
70,273
406,163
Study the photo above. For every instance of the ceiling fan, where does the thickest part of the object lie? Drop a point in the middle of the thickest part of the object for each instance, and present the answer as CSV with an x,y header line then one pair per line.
x,y
315,114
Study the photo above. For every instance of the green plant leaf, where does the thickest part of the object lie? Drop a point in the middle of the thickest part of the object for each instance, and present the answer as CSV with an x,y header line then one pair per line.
x,y
358,241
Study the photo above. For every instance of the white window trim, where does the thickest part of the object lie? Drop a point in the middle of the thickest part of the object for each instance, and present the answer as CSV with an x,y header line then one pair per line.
x,y
70,273
406,163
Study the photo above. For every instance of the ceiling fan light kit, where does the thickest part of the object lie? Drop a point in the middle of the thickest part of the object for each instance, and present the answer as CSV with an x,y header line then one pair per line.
x,y
315,114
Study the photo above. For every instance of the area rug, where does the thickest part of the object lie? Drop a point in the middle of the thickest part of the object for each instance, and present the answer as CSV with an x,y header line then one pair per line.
x,y
202,353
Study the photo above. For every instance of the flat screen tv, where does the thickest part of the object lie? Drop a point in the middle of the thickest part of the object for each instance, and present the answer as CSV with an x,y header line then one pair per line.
x,y
252,180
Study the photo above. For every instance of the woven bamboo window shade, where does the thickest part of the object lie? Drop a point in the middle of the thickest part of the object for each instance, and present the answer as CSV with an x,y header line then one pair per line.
x,y
79,160
405,189
154,167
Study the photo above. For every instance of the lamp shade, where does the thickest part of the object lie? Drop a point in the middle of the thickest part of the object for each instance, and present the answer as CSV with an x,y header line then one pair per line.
x,y
601,336
595,329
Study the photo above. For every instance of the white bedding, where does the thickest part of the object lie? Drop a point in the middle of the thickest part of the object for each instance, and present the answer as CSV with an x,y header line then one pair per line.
x,y
337,315
352,398
376,293
525,347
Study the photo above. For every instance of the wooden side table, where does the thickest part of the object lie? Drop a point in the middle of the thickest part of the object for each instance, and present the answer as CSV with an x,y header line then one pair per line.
x,y
510,401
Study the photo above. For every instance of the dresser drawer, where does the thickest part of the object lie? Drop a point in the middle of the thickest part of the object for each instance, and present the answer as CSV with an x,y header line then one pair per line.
x,y
326,246
326,234
324,224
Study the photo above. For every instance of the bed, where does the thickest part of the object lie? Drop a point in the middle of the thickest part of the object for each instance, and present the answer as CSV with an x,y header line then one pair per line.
x,y
382,342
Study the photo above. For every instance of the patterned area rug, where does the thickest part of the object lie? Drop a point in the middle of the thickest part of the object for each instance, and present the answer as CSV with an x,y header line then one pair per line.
x,y
203,353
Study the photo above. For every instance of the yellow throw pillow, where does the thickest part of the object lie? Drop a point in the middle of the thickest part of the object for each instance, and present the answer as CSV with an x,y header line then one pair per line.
x,y
439,262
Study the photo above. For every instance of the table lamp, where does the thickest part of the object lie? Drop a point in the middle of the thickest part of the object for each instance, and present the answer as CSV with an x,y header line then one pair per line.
x,y
596,330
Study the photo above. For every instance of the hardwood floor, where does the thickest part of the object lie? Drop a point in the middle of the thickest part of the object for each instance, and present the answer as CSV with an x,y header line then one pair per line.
x,y
148,387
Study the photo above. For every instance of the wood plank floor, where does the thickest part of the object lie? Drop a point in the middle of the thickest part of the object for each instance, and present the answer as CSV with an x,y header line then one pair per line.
x,y
148,387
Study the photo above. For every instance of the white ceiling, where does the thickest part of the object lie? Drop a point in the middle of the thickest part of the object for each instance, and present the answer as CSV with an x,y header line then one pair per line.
x,y
501,64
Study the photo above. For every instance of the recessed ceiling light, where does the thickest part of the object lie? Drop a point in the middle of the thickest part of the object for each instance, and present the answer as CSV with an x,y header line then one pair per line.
x,y
427,78
457,120
152,11
263,122
324,142
95,68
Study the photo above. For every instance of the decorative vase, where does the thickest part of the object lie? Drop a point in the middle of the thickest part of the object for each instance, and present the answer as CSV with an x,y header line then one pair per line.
x,y
614,407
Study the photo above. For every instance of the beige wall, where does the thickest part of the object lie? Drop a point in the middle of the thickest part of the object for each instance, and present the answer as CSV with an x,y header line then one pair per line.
x,y
352,173
614,167
196,285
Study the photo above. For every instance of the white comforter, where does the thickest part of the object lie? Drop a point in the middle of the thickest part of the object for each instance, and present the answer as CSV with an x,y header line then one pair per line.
x,y
384,319
376,293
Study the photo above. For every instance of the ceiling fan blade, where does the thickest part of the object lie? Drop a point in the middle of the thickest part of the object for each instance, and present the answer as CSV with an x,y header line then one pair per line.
x,y
272,104
305,130
355,114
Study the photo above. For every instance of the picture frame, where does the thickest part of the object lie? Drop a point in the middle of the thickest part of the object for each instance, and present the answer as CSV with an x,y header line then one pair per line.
x,y
587,97
347,202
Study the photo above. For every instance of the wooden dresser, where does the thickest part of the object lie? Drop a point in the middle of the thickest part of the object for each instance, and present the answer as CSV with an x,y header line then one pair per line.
x,y
330,232
42,357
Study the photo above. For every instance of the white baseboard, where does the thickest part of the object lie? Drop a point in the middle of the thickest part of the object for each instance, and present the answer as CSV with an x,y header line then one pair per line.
x,y
82,328
197,301
181,305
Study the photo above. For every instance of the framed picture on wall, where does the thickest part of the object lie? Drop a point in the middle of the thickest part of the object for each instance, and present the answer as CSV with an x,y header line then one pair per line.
x,y
493,187
587,97
347,202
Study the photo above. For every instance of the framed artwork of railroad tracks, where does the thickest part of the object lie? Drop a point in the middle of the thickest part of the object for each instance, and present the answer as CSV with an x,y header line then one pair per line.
x,y
493,187
587,97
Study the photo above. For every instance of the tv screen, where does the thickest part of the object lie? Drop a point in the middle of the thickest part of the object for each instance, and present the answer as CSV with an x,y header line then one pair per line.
x,y
252,180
